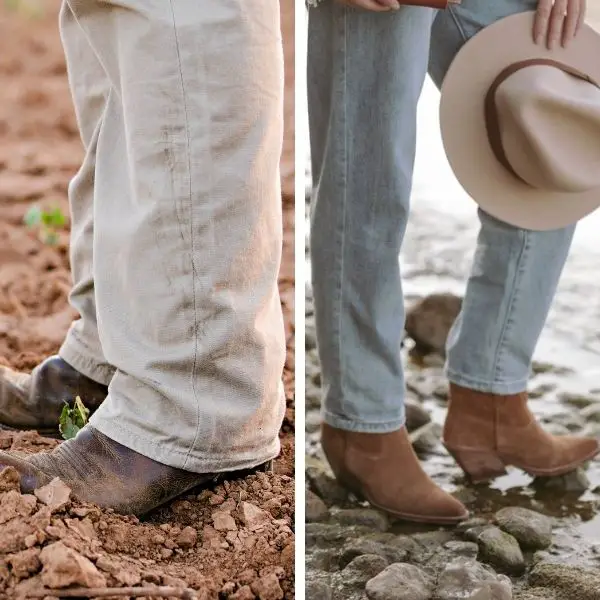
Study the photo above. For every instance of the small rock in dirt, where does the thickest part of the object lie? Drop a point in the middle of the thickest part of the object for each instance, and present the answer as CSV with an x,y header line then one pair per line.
x,y
575,481
361,547
317,590
56,495
501,550
244,593
187,538
470,580
416,416
365,517
466,549
13,504
252,516
573,582
268,588
326,487
531,529
400,581
223,521
316,509
24,563
62,567
9,480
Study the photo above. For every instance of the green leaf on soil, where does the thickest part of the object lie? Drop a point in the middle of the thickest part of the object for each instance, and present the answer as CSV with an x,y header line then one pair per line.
x,y
33,217
73,419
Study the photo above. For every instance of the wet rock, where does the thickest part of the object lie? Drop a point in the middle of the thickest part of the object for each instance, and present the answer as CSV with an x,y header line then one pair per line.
x,y
317,590
268,588
365,517
252,516
24,563
576,400
362,569
9,480
316,509
472,534
223,521
416,416
428,322
427,438
464,549
531,529
575,481
321,559
63,567
400,581
56,495
187,538
470,523
591,413
573,582
501,550
362,547
326,487
470,580
319,534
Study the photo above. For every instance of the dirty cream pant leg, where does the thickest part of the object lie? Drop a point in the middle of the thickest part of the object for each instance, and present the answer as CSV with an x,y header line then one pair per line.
x,y
187,227
89,88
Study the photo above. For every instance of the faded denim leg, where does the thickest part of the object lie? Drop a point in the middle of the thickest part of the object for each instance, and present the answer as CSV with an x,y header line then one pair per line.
x,y
365,75
515,272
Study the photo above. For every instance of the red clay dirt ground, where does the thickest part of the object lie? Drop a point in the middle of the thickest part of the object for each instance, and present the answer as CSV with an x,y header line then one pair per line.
x,y
235,541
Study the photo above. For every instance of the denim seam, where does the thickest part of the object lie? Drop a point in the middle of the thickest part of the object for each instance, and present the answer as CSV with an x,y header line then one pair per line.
x,y
508,321
194,302
458,23
360,425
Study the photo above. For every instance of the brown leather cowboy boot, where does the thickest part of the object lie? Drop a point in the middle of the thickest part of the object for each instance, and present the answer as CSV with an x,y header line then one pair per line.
x,y
35,401
487,432
383,469
100,470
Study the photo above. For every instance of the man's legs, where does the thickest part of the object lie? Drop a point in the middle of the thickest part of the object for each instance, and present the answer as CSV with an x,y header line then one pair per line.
x,y
510,289
187,228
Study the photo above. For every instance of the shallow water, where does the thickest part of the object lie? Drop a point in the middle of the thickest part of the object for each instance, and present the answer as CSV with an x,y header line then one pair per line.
x,y
436,257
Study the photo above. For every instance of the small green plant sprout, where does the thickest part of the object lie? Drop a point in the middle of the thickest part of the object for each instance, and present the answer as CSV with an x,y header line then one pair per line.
x,y
73,419
47,222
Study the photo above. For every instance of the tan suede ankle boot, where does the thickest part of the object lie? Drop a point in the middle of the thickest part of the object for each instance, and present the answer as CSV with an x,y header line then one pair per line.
x,y
486,432
383,469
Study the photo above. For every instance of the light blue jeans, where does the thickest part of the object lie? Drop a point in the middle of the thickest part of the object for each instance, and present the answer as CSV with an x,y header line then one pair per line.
x,y
365,75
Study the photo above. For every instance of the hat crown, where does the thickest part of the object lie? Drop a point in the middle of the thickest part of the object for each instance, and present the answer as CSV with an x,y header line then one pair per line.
x,y
549,127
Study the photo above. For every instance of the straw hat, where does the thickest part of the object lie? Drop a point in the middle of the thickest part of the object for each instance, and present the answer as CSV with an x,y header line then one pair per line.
x,y
521,124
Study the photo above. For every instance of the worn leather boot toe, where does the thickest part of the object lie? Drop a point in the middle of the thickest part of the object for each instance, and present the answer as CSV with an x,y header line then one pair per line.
x,y
100,470
35,401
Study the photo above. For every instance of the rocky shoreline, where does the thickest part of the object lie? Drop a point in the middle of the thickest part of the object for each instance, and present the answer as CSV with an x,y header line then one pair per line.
x,y
528,539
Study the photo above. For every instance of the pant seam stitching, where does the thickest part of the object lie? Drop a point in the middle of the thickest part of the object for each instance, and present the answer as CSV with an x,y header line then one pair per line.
x,y
194,301
457,22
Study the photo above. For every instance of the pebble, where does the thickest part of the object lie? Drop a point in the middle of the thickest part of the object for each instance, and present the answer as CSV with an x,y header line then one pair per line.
x,y
252,516
317,590
591,413
63,566
470,580
466,549
10,480
366,517
56,495
575,481
187,538
400,581
362,569
223,521
573,582
416,416
316,509
361,547
268,588
326,487
531,529
501,550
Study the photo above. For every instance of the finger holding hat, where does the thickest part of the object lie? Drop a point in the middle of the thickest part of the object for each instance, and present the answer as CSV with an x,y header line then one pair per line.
x,y
558,21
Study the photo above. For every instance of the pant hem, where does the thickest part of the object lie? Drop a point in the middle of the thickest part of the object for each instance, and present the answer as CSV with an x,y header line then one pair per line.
x,y
357,426
77,355
194,462
498,388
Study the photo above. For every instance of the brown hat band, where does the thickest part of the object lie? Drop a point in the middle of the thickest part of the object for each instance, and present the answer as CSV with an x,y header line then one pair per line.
x,y
491,114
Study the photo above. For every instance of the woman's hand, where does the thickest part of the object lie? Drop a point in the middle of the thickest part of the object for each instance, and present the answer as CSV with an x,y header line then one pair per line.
x,y
558,21
374,5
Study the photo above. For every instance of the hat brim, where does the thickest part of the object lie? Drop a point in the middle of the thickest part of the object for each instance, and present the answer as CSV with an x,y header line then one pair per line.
x,y
464,133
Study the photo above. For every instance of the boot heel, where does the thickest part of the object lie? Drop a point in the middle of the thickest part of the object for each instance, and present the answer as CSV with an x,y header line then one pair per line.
x,y
478,465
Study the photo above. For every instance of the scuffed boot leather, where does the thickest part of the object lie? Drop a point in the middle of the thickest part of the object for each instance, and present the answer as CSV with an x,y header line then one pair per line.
x,y
383,469
487,432
35,401
100,470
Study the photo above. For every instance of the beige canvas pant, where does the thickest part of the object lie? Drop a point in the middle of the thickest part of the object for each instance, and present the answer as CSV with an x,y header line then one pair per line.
x,y
176,225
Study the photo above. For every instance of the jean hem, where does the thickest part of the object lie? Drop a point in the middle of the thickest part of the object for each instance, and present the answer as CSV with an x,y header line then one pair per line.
x,y
503,388
358,426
